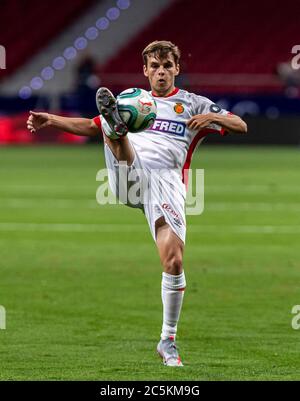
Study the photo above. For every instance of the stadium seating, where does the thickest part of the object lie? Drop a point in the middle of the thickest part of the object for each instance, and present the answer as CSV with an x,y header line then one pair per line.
x,y
215,45
41,20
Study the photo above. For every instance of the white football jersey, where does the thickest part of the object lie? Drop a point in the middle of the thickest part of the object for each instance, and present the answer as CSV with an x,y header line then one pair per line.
x,y
169,143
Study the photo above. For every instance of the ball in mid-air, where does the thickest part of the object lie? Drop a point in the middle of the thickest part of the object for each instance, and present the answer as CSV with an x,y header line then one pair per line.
x,y
137,109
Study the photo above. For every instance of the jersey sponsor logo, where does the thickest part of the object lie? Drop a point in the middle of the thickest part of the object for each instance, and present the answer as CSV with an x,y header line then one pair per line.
x,y
176,217
169,127
178,108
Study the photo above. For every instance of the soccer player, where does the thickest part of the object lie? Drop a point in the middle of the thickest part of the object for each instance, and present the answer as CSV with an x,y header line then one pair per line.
x,y
183,120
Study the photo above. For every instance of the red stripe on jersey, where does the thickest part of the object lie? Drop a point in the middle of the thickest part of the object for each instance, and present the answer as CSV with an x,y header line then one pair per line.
x,y
176,90
222,132
201,134
97,121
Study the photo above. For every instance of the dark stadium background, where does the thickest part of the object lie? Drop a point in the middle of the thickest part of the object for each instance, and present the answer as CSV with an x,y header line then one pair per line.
x,y
237,53
80,282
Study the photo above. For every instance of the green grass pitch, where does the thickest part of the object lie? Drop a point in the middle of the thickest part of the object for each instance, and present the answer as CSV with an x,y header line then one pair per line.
x,y
81,282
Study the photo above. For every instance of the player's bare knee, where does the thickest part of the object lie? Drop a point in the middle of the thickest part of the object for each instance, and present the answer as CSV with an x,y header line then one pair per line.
x,y
173,264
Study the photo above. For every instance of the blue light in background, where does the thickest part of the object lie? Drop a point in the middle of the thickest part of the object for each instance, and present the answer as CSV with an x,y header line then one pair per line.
x,y
70,53
113,13
80,43
92,33
25,92
36,83
102,24
123,4
47,73
59,63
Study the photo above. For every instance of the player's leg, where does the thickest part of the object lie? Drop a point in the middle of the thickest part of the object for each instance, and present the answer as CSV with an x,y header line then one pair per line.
x,y
121,149
111,121
170,248
113,127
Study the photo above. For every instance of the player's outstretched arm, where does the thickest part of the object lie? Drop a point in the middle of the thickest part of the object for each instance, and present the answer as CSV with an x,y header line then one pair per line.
x,y
230,122
77,126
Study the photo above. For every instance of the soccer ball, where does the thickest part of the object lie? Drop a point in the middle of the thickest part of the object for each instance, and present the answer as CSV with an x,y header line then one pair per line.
x,y
137,109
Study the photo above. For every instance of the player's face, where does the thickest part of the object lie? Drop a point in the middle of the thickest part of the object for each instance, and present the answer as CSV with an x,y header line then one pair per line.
x,y
161,74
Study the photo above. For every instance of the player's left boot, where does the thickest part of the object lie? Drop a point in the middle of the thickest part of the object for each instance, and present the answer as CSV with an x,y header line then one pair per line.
x,y
167,350
107,107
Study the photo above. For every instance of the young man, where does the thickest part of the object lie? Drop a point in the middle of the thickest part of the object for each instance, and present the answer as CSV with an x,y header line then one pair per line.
x,y
183,120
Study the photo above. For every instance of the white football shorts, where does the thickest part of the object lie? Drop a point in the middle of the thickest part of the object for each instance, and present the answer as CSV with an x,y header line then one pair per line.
x,y
158,193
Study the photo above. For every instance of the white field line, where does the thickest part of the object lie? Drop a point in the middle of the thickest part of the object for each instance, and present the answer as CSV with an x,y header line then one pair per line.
x,y
28,203
205,229
56,203
253,206
41,187
251,188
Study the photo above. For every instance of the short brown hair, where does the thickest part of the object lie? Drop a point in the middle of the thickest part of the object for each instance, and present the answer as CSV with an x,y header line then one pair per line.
x,y
160,49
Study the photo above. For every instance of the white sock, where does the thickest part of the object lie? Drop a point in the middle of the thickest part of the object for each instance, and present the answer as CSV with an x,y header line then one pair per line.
x,y
107,130
172,292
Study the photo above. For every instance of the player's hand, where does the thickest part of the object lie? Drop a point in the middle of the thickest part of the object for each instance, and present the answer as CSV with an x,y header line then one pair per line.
x,y
200,121
37,121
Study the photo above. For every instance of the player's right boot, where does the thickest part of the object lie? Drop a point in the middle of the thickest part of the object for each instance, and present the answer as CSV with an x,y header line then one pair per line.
x,y
167,350
107,107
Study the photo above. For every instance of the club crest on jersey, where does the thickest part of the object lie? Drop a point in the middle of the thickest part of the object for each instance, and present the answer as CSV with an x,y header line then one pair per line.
x,y
178,108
